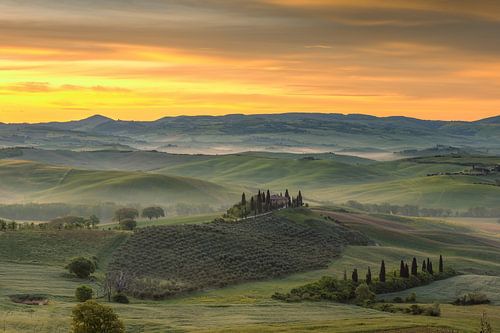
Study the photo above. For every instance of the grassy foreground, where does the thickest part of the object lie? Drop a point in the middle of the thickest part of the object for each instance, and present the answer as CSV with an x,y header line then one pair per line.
x,y
247,307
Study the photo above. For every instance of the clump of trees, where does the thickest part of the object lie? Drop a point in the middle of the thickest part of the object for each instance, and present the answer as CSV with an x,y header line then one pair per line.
x,y
362,292
153,213
74,222
92,317
472,299
126,218
263,202
81,267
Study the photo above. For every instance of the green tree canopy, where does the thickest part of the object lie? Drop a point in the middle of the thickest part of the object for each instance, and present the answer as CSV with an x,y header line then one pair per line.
x,y
92,317
81,267
126,213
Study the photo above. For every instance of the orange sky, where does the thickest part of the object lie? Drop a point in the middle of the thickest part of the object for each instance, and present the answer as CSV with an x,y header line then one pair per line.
x,y
62,60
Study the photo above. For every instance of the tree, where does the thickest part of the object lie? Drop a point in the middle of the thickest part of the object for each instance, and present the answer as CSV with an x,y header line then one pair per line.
x,y
93,221
414,267
268,200
252,206
126,213
424,267
243,200
153,212
3,225
407,271
128,224
369,276
381,275
300,203
429,268
83,293
355,275
92,317
364,294
81,267
402,269
345,275
441,265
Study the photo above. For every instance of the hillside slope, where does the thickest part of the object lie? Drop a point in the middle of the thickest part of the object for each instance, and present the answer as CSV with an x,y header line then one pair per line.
x,y
190,257
28,181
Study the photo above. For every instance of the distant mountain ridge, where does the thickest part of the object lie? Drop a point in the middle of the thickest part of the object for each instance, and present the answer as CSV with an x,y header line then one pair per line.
x,y
286,132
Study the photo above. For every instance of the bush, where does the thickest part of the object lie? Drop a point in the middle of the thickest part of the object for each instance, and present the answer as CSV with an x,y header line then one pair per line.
x,y
81,267
128,224
92,317
472,299
83,293
433,310
364,294
120,298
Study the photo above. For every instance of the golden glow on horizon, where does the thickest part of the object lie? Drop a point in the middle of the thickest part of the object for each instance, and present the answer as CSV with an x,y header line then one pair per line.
x,y
50,78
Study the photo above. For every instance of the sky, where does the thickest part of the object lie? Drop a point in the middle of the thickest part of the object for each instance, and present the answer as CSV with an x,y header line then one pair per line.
x,y
146,59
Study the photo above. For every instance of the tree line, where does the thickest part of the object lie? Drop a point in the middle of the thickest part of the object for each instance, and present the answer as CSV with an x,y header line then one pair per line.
x,y
264,202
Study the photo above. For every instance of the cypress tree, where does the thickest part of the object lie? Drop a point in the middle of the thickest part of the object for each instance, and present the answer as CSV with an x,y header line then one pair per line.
x,y
414,268
429,268
268,200
424,267
355,275
243,200
299,199
428,264
345,275
402,269
381,275
407,271
441,265
252,206
369,276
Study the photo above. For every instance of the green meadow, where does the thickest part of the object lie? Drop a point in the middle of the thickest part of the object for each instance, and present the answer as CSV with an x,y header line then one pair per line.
x,y
36,267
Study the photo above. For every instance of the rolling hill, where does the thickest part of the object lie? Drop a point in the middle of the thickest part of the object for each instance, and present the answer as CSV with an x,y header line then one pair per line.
x,y
290,132
25,181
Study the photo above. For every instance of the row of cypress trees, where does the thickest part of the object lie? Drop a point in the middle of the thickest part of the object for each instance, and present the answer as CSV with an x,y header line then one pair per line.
x,y
262,202
404,270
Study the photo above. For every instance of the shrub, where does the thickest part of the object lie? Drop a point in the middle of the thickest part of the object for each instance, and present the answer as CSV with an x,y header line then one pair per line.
x,y
92,317
83,293
81,267
364,294
433,310
128,224
120,298
472,299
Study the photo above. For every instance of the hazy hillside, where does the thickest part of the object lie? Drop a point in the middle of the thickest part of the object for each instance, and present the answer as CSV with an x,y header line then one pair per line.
x,y
24,181
292,132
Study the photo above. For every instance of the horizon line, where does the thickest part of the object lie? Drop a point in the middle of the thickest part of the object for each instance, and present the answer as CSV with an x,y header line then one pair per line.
x,y
242,114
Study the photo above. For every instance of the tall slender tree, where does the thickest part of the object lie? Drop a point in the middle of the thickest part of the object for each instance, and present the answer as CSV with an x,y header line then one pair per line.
x,y
381,275
369,276
355,275
414,267
299,199
268,200
407,271
253,207
402,269
424,266
429,268
441,265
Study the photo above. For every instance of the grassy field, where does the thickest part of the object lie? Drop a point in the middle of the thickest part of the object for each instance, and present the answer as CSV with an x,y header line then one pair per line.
x,y
165,179
247,307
